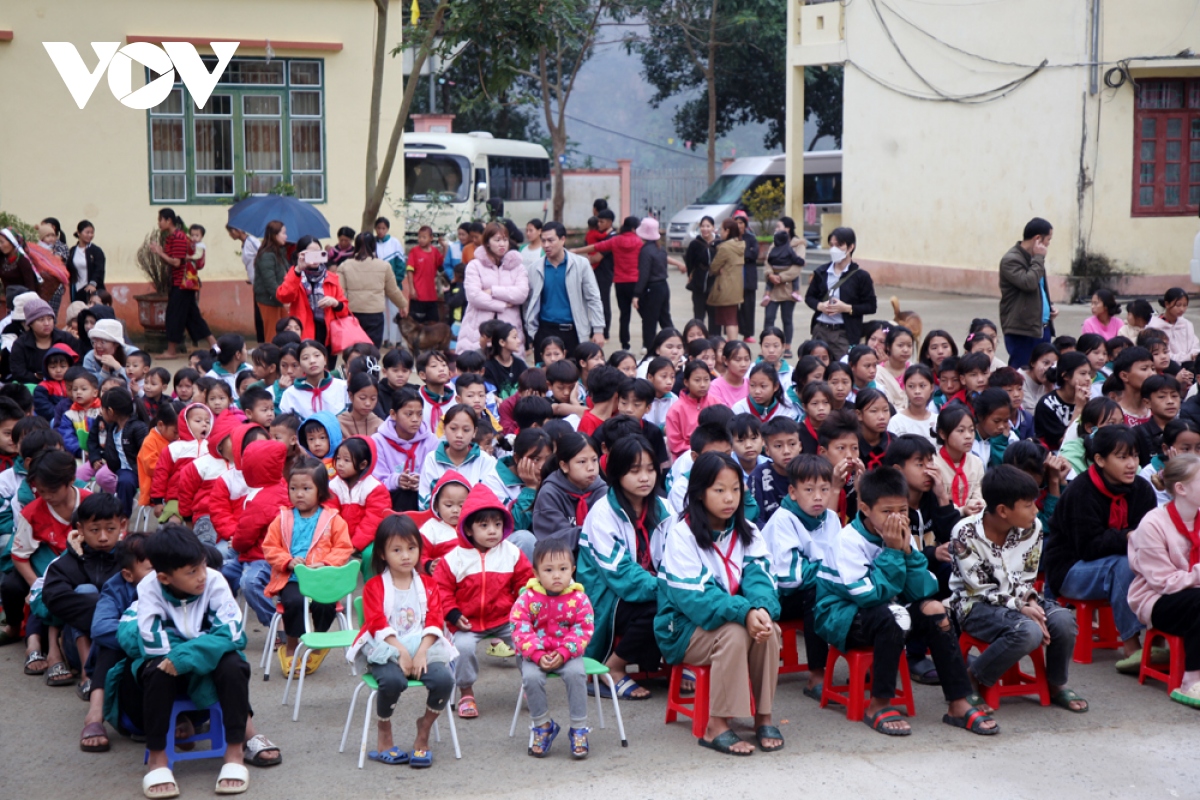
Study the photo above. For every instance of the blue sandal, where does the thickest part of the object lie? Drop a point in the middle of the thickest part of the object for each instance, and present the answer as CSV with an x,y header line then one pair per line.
x,y
421,759
395,756
543,737
579,742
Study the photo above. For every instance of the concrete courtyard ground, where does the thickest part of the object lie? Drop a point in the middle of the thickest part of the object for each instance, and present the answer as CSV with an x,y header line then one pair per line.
x,y
1133,743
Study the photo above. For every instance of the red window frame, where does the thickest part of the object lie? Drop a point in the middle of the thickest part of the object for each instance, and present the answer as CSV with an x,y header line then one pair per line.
x,y
1166,148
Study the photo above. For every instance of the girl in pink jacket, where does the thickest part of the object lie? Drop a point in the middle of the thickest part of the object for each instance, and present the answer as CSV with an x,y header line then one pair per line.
x,y
1164,554
496,286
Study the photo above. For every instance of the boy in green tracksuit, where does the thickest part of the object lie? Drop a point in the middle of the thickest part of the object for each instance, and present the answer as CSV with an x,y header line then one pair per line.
x,y
871,592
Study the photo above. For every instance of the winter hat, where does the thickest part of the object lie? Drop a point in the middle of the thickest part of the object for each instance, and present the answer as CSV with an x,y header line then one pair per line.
x,y
648,230
19,302
35,308
109,330
74,309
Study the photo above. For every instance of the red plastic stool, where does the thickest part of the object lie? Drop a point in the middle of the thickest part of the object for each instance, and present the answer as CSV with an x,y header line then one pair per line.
x,y
1015,682
789,649
854,694
1102,636
694,707
1173,678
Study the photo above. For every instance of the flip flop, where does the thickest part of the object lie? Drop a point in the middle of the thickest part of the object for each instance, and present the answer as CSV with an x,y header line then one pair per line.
x,y
688,675
94,730
972,721
924,673
59,675
394,756
421,759
625,690
814,691
83,690
724,744
33,657
159,777
467,708
233,772
768,732
976,699
883,716
1063,699
254,748
500,650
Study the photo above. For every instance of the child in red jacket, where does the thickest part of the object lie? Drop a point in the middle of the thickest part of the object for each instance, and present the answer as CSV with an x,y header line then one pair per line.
x,y
228,497
266,493
479,581
552,623
195,483
357,495
440,532
402,638
195,423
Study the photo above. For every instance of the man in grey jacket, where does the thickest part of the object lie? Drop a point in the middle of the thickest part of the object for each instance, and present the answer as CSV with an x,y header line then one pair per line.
x,y
564,298
1025,308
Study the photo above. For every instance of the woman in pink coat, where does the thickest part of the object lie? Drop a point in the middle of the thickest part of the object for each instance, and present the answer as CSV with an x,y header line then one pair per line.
x,y
493,292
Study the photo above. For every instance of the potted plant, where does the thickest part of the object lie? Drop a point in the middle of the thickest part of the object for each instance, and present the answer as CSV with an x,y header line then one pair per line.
x,y
152,307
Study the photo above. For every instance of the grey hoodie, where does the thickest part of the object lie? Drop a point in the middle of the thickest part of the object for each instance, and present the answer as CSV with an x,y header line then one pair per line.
x,y
556,509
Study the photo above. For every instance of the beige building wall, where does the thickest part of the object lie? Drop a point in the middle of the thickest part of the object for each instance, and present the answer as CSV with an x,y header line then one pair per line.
x,y
57,160
937,191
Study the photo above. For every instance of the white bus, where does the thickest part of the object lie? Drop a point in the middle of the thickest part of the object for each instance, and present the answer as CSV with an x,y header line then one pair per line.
x,y
822,187
449,177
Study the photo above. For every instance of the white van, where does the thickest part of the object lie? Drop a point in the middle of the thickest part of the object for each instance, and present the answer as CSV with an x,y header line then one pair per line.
x,y
449,177
822,187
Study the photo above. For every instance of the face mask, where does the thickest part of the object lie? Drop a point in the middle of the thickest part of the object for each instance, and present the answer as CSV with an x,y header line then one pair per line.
x,y
836,255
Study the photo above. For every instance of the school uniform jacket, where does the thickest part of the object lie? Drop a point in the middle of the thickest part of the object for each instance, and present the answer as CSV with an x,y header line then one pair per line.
x,y
478,467
266,494
477,584
38,524
378,596
305,399
363,505
859,572
608,566
330,545
694,586
796,551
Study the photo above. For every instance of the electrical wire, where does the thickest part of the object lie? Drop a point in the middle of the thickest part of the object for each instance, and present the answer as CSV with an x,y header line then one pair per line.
x,y
634,138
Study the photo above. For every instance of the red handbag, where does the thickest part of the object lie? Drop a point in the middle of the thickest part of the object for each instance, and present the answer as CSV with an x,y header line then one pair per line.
x,y
344,332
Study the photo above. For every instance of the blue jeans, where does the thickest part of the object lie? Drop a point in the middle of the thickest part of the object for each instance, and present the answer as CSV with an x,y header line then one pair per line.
x,y
1020,348
1108,579
231,567
127,490
255,577
70,634
1012,635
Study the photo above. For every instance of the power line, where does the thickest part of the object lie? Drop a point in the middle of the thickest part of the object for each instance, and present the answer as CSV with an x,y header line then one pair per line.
x,y
634,138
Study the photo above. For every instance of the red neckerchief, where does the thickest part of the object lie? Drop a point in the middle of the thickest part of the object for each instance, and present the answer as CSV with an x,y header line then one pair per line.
x,y
876,458
1192,535
581,506
435,419
317,389
94,404
409,453
727,561
808,425
1118,510
960,478
841,506
643,539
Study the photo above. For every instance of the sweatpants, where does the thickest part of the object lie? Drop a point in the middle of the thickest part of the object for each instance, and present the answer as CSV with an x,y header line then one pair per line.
x,y
654,307
738,666
439,684
466,669
533,680
292,601
231,678
799,605
1012,635
633,624
1179,615
876,627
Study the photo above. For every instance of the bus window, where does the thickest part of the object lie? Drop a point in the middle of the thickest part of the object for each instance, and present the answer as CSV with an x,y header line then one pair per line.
x,y
516,178
430,176
824,189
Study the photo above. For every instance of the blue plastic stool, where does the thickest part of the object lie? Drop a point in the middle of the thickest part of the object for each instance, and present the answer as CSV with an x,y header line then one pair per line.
x,y
215,736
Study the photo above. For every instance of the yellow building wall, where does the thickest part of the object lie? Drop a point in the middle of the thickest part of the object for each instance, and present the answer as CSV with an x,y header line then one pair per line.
x,y
57,160
938,191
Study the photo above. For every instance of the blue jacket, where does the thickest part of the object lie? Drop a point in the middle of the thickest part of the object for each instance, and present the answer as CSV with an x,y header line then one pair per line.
x,y
116,596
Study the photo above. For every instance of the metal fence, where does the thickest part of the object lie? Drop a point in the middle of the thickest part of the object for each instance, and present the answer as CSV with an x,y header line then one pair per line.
x,y
661,193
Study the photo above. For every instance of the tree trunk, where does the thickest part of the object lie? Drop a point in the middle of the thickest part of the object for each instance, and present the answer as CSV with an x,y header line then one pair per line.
x,y
381,18
710,78
558,140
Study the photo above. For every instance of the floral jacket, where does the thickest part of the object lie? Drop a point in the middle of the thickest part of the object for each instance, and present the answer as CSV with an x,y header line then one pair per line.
x,y
544,624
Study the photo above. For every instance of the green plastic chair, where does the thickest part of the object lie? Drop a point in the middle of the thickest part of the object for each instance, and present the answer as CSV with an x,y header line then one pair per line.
x,y
595,671
326,585
368,680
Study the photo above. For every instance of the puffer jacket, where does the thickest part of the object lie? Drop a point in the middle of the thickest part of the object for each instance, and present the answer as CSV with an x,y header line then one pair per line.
x,y
785,262
363,505
270,271
509,285
330,545
178,454
544,624
367,282
266,494
228,496
477,584
197,479
726,271
1021,276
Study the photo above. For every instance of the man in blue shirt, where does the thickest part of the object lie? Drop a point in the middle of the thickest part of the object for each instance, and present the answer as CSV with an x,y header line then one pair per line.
x,y
564,298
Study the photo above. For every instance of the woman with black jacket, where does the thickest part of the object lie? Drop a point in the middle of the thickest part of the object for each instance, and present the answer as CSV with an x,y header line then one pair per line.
x,y
652,296
31,346
85,263
841,293
699,255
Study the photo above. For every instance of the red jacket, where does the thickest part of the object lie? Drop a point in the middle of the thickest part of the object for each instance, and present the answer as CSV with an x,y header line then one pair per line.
x,y
291,291
363,505
267,493
177,455
376,602
197,479
228,495
625,249
482,585
438,537
508,424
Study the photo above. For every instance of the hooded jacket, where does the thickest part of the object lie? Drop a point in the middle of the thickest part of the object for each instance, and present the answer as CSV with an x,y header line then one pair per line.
x,y
79,565
363,505
333,430
377,600
228,496
48,395
508,285
544,624
481,585
785,263
266,494
197,479
330,545
178,454
395,456
292,292
561,507
439,537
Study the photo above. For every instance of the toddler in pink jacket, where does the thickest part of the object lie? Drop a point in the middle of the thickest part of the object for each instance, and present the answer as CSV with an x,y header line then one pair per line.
x,y
552,624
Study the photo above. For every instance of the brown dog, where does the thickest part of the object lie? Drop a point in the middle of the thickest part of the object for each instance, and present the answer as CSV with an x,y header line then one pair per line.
x,y
909,319
424,336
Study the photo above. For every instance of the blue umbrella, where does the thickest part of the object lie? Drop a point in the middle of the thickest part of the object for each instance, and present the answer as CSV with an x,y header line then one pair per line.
x,y
300,218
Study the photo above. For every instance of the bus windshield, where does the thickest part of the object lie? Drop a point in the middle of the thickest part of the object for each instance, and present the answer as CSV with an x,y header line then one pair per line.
x,y
436,177
725,190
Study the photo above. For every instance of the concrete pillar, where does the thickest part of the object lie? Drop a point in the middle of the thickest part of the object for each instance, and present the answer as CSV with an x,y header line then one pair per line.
x,y
626,167
793,143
